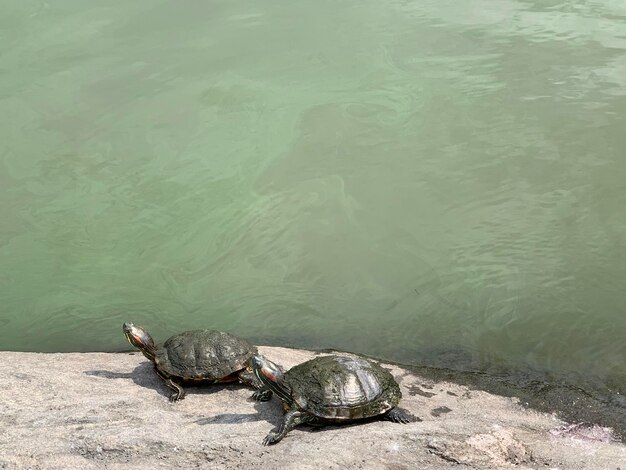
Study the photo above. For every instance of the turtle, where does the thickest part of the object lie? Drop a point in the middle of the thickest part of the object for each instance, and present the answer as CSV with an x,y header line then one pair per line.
x,y
199,356
331,389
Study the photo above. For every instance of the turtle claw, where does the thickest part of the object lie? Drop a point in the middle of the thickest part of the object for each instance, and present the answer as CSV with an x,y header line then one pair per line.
x,y
176,396
271,438
262,395
402,419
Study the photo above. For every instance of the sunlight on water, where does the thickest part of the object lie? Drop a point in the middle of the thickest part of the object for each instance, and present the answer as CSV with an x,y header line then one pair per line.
x,y
435,182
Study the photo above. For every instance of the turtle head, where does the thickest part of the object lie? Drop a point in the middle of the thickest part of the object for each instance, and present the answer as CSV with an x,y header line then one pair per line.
x,y
271,375
140,338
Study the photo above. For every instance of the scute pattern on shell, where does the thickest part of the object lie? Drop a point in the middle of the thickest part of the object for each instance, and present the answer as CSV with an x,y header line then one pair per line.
x,y
203,354
343,387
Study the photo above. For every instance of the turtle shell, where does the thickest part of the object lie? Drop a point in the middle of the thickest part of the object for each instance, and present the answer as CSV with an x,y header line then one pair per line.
x,y
203,355
343,388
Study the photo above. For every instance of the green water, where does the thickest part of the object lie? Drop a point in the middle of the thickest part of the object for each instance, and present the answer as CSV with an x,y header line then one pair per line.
x,y
436,181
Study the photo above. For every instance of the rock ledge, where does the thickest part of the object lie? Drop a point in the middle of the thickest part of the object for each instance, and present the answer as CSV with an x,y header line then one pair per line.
x,y
109,410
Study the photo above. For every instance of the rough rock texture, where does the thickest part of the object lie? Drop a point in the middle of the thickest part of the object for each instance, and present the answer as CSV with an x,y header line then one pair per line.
x,y
98,410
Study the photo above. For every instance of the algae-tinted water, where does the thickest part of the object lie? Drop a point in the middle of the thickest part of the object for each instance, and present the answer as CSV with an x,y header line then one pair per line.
x,y
434,182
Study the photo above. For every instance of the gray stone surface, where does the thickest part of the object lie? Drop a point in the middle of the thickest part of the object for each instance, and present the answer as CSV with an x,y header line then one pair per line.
x,y
98,410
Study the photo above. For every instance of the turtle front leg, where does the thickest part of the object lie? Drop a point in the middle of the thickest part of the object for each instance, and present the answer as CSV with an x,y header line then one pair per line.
x,y
179,393
262,393
290,421
399,415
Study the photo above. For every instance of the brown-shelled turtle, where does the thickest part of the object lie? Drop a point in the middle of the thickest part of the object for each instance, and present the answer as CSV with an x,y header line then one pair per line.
x,y
331,389
199,356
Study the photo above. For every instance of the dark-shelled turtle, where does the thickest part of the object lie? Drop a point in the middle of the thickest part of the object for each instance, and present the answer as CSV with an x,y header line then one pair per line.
x,y
205,356
331,389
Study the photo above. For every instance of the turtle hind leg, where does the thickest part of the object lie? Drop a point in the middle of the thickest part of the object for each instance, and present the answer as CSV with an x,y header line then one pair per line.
x,y
290,421
261,393
399,415
179,393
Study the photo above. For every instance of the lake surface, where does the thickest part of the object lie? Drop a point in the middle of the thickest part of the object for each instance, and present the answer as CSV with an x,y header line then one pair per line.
x,y
434,182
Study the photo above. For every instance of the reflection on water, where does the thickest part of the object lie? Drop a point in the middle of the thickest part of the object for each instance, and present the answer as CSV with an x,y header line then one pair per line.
x,y
435,182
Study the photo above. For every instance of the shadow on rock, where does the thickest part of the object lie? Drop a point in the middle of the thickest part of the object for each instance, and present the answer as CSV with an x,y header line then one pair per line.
x,y
142,375
230,418
272,412
145,376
